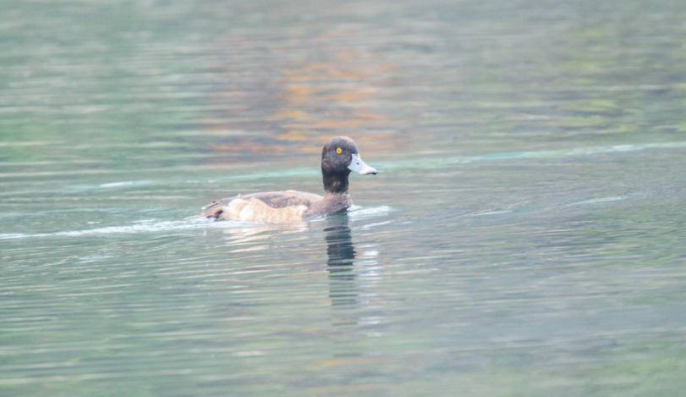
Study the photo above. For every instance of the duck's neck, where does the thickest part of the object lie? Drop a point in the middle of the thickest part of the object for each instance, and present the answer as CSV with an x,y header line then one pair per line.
x,y
336,183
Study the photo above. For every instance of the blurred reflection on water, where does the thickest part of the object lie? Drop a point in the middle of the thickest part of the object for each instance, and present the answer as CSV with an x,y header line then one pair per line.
x,y
341,253
343,289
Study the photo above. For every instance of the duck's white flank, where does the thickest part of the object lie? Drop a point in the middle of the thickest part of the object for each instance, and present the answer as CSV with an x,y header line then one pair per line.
x,y
255,210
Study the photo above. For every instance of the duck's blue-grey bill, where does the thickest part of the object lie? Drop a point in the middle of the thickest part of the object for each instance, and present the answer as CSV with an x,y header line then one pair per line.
x,y
359,166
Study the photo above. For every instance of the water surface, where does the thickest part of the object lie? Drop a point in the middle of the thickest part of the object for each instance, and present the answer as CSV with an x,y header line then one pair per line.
x,y
524,237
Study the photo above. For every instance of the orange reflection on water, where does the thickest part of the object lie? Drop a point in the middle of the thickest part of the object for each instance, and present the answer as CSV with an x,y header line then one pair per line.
x,y
301,104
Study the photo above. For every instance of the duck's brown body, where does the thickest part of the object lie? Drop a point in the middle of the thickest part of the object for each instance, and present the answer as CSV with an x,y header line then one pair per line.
x,y
278,207
339,158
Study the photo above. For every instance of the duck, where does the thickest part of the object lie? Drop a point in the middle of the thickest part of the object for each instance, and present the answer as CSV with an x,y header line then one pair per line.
x,y
340,157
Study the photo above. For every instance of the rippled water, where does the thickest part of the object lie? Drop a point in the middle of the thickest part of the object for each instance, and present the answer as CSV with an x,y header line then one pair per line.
x,y
525,236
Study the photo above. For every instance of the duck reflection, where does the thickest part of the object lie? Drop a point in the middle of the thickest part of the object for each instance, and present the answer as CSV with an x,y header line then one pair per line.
x,y
343,289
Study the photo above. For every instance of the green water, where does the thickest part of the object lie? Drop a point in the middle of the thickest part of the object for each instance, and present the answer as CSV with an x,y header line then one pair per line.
x,y
525,236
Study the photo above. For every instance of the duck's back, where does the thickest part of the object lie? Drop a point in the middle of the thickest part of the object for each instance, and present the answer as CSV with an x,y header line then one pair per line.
x,y
270,207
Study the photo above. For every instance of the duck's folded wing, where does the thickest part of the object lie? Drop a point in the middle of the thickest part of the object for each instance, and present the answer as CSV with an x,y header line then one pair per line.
x,y
288,198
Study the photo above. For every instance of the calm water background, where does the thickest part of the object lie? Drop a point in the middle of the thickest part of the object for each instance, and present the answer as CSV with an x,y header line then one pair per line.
x,y
525,237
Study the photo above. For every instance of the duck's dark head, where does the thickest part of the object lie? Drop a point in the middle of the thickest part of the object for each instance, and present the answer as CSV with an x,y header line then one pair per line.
x,y
339,157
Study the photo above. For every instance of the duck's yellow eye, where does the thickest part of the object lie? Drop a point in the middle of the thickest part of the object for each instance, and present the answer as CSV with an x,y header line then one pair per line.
x,y
339,150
